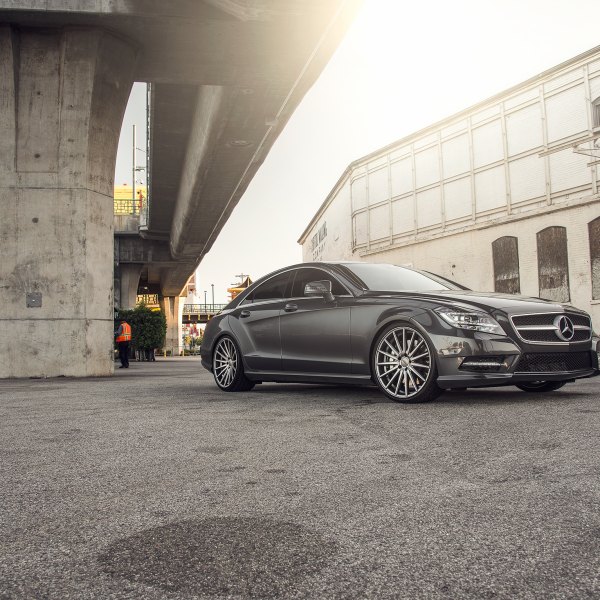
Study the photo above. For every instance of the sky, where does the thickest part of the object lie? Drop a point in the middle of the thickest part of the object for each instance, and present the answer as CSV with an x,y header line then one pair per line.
x,y
403,65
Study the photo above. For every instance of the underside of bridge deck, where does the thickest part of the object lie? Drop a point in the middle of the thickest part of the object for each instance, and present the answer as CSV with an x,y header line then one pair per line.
x,y
225,77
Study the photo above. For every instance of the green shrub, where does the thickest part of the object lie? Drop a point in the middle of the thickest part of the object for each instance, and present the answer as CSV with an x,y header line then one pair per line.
x,y
148,327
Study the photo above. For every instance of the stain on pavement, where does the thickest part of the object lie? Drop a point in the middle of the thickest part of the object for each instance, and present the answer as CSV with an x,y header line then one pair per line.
x,y
232,556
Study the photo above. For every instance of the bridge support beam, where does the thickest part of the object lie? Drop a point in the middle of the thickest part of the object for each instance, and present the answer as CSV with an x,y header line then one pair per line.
x,y
129,280
63,93
172,306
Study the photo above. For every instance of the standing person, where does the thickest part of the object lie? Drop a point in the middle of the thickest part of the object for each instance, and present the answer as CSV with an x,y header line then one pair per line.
x,y
123,338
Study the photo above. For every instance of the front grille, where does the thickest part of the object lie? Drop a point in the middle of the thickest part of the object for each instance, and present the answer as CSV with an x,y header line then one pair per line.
x,y
540,328
548,319
552,362
546,335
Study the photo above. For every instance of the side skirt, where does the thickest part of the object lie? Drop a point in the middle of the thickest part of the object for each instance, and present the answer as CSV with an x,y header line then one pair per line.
x,y
288,377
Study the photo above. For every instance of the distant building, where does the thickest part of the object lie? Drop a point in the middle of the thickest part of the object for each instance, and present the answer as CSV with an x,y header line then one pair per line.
x,y
191,293
238,288
124,201
502,196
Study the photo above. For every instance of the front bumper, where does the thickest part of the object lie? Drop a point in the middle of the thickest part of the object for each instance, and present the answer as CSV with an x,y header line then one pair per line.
x,y
498,379
453,351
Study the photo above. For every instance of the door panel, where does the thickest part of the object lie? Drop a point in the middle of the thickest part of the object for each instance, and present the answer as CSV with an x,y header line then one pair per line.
x,y
255,323
315,337
256,327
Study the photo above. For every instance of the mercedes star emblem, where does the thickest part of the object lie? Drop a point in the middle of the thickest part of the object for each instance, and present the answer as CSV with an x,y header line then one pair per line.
x,y
564,328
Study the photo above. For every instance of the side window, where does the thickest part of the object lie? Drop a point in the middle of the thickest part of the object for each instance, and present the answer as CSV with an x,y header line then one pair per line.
x,y
272,289
553,264
304,276
505,251
596,112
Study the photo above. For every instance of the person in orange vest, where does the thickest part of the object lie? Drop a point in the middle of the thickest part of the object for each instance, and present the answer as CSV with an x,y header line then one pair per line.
x,y
123,338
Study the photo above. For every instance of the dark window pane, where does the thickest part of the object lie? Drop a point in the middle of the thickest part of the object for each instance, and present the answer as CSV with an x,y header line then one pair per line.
x,y
594,231
304,276
390,278
505,252
596,112
553,264
272,289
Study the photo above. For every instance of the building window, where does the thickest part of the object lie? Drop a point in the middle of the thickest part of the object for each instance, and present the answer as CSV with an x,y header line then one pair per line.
x,y
596,112
505,251
553,264
594,231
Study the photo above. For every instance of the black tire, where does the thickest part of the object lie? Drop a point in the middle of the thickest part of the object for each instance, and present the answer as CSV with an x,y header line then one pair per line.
x,y
228,368
398,374
540,386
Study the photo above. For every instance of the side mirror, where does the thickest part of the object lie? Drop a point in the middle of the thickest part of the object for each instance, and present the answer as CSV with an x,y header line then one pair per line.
x,y
319,289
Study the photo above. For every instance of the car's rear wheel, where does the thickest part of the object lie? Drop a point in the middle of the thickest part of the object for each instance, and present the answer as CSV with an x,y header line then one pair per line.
x,y
228,369
540,386
403,365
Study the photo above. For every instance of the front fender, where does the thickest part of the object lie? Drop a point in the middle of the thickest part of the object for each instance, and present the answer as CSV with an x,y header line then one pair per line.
x,y
367,319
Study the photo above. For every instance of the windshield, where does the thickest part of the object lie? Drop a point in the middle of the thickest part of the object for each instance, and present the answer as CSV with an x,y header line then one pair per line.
x,y
390,278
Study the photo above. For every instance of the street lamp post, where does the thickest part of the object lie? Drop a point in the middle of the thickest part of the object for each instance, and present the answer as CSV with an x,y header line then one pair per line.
x,y
212,285
205,307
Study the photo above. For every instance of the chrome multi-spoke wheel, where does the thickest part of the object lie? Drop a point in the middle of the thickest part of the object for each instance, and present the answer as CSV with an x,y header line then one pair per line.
x,y
227,367
403,365
225,362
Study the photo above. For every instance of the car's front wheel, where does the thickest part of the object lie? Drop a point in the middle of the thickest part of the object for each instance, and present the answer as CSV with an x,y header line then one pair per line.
x,y
228,369
403,365
540,386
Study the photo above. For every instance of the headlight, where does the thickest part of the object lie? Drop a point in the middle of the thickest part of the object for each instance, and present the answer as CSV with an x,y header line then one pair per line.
x,y
467,319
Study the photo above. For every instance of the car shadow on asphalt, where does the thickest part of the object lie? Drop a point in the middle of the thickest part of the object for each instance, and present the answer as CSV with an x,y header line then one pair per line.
x,y
363,394
368,395
508,395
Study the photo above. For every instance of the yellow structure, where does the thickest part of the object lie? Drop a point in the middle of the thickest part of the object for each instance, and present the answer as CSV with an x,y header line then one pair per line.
x,y
150,300
124,201
239,288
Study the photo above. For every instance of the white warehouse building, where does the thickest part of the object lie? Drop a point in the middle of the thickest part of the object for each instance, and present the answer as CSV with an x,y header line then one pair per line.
x,y
500,197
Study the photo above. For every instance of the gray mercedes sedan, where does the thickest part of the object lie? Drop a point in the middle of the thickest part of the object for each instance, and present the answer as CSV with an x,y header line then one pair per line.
x,y
411,333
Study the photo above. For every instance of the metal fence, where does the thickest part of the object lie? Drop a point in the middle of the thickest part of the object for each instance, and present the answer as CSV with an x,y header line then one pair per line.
x,y
127,206
203,309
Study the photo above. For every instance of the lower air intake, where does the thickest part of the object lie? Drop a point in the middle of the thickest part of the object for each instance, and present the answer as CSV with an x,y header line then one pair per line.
x,y
553,362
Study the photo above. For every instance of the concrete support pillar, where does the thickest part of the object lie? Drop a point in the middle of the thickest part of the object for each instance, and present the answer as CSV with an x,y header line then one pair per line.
x,y
129,281
63,93
172,306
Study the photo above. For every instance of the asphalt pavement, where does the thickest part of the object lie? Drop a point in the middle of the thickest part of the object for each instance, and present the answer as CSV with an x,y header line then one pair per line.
x,y
155,484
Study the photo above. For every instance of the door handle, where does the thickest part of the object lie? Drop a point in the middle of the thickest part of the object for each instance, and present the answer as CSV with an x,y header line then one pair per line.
x,y
245,313
290,307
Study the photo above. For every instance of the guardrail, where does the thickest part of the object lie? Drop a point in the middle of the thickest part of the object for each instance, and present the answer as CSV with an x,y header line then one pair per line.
x,y
202,309
123,207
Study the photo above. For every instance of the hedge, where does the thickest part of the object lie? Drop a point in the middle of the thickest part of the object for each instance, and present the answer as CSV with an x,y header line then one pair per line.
x,y
148,327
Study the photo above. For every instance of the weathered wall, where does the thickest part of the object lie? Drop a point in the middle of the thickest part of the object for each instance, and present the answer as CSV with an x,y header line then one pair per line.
x,y
467,258
438,199
62,97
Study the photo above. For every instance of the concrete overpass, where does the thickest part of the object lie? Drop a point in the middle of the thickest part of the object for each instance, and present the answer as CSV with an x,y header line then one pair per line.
x,y
226,75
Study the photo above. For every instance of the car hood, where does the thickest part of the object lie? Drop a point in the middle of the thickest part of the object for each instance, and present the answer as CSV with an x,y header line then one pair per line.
x,y
489,301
